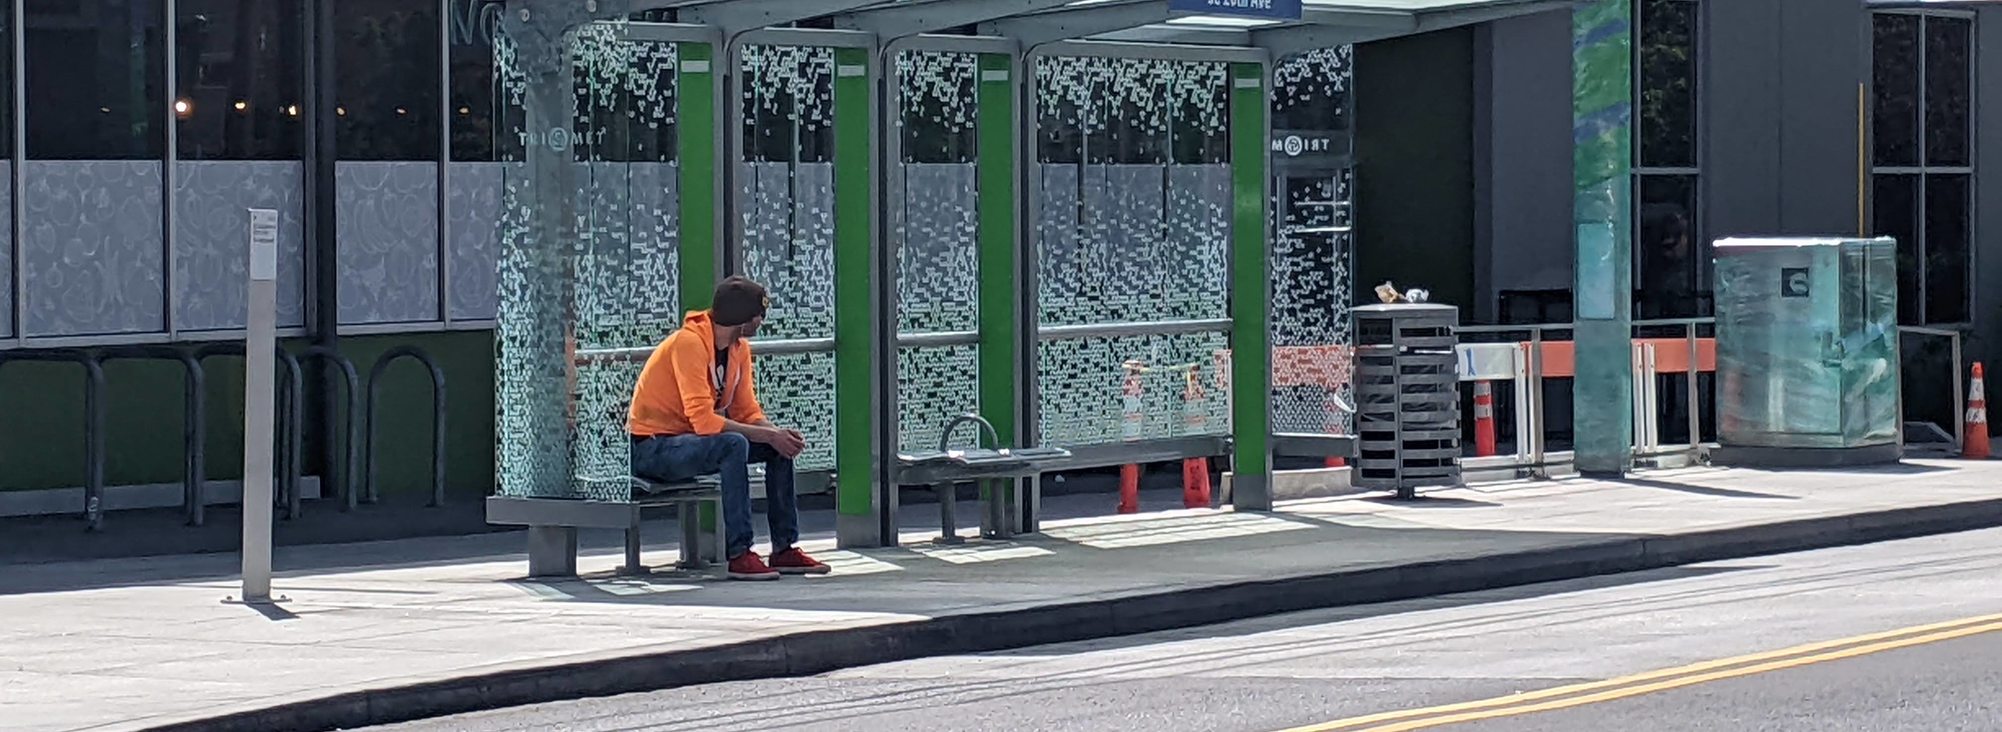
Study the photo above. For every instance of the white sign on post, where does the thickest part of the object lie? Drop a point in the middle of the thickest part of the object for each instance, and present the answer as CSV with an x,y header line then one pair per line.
x,y
260,344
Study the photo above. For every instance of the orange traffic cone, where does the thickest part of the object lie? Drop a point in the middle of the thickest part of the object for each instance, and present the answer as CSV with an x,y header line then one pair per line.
x,y
1975,434
1484,419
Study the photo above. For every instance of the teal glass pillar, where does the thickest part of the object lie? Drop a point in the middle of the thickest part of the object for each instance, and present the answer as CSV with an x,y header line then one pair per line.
x,y
1602,159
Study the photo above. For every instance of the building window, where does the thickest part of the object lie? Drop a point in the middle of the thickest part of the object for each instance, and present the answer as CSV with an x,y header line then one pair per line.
x,y
95,81
1922,162
238,80
387,110
1671,278
473,25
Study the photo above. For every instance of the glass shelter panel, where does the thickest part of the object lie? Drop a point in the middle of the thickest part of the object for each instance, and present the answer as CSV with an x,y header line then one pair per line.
x,y
786,203
1313,254
1129,234
613,287
934,238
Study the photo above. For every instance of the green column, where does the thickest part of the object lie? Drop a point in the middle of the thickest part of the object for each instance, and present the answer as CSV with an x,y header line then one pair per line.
x,y
699,247
854,312
695,114
1250,295
1602,156
1000,316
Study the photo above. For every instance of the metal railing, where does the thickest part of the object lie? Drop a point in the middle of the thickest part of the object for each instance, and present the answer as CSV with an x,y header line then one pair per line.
x,y
289,470
1531,422
93,424
349,463
194,421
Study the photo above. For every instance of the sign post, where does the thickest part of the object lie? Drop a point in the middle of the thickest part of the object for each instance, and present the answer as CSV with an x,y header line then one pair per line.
x,y
1266,9
260,346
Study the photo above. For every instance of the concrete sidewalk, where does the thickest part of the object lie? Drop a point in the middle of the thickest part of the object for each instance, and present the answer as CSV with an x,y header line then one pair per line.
x,y
147,643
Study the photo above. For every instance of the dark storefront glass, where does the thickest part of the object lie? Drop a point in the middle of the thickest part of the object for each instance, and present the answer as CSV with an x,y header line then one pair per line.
x,y
1896,82
95,74
1948,201
386,55
1668,252
1667,114
238,79
1896,200
1949,48
473,27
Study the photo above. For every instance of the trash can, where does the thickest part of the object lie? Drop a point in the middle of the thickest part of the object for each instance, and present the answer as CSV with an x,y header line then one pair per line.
x,y
1407,397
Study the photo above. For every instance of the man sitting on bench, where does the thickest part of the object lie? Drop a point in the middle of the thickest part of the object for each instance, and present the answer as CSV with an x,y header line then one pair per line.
x,y
695,411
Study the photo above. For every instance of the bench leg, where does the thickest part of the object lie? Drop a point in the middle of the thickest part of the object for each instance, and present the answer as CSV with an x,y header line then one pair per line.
x,y
720,539
690,515
552,551
948,524
633,567
994,517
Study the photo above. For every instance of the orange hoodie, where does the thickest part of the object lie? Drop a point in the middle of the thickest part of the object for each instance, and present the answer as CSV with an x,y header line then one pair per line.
x,y
678,392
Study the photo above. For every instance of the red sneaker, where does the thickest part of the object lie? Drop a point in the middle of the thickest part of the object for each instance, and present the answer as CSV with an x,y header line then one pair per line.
x,y
794,561
750,566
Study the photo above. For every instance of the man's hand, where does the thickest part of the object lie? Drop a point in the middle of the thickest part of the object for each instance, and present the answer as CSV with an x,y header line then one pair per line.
x,y
789,443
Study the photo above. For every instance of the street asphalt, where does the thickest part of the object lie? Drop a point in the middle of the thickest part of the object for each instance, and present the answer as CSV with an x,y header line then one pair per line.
x,y
1321,667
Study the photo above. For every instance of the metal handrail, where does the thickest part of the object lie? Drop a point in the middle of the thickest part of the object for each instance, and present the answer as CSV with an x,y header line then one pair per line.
x,y
93,425
1122,330
437,420
350,463
771,347
938,339
194,422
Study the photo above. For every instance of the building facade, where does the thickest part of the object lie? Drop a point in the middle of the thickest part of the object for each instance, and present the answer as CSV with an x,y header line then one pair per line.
x,y
138,131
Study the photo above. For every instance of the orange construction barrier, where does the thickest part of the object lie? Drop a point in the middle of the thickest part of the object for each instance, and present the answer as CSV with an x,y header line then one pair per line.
x,y
1196,470
1484,419
1975,432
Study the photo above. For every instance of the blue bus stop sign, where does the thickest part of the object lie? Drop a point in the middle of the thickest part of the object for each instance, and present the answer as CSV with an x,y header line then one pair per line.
x,y
1268,9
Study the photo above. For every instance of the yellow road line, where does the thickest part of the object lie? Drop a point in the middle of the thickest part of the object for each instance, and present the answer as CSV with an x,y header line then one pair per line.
x,y
1661,680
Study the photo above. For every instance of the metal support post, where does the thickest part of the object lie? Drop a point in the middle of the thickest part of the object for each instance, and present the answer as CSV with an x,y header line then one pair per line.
x,y
948,524
1691,402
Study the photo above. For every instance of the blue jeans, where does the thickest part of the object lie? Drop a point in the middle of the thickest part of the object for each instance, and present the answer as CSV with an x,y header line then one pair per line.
x,y
729,455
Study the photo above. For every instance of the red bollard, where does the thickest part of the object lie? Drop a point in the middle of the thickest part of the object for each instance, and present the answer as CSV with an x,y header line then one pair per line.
x,y
1974,431
1129,489
1484,419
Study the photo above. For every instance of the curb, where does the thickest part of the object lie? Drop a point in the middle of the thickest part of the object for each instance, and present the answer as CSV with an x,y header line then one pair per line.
x,y
818,652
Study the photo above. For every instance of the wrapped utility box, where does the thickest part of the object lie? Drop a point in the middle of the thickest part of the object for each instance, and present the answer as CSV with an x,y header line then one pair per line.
x,y
1807,352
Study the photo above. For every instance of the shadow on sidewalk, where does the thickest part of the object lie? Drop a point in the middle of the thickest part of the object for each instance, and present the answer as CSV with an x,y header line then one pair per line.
x,y
722,706
156,547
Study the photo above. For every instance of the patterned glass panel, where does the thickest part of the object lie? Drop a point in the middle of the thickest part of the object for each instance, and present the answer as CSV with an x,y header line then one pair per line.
x,y
935,239
1125,235
577,317
786,200
1313,256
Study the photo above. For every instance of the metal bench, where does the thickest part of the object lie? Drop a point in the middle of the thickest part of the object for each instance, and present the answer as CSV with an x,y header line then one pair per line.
x,y
942,470
553,523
